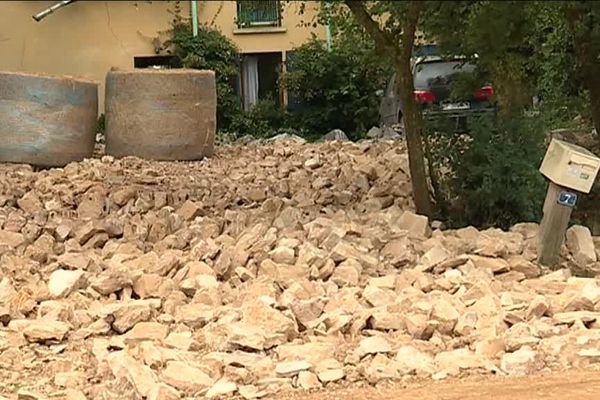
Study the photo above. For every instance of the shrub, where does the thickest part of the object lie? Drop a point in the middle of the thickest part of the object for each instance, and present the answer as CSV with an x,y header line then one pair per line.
x,y
262,121
211,50
490,176
337,88
101,124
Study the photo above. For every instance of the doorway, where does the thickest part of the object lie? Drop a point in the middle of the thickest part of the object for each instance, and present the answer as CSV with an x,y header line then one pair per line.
x,y
260,78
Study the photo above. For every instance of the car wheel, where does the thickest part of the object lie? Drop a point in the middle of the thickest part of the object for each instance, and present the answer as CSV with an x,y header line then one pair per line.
x,y
399,126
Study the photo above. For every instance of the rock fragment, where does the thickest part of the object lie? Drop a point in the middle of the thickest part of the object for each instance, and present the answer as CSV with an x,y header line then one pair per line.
x,y
186,378
522,362
41,330
64,282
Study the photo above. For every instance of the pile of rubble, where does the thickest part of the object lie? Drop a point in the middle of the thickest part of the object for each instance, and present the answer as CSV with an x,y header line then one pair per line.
x,y
268,268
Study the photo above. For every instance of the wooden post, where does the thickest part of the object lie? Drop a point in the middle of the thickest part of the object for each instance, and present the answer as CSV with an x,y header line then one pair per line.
x,y
557,212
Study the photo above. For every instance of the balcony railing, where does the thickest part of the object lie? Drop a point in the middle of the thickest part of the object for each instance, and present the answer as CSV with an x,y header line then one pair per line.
x,y
258,13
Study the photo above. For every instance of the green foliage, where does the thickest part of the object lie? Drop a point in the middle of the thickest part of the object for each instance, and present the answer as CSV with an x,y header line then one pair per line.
x,y
490,176
498,32
550,50
526,48
554,57
337,88
558,83
263,121
101,124
211,50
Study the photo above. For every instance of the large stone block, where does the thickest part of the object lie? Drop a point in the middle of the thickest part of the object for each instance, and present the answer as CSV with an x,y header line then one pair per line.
x,y
46,121
161,114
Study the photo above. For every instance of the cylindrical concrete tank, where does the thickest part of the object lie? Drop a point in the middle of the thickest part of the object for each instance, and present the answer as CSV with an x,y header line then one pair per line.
x,y
45,120
161,114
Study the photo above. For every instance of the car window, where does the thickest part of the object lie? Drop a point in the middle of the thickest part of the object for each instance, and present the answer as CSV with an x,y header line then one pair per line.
x,y
426,74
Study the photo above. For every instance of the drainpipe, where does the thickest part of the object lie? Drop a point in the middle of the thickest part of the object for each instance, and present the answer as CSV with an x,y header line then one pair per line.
x,y
194,17
328,27
42,14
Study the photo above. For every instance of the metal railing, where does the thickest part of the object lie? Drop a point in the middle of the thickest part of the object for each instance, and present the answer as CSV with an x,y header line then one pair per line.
x,y
43,14
257,13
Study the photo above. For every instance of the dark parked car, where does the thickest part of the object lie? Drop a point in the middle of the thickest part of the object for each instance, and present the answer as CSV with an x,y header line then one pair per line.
x,y
433,77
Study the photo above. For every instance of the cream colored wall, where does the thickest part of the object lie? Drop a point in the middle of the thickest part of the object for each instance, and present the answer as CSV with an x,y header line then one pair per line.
x,y
222,14
84,39
87,38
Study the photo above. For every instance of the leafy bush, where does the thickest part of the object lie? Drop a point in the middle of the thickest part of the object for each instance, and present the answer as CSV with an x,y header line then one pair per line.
x,y
211,50
337,88
490,176
101,124
559,85
262,121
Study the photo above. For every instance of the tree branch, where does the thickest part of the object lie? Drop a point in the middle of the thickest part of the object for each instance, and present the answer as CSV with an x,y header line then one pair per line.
x,y
383,41
409,28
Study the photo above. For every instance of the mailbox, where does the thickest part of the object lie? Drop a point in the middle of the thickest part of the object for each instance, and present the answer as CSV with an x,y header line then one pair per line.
x,y
570,166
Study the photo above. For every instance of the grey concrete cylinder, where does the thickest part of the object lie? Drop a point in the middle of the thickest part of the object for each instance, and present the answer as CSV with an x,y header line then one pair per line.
x,y
161,114
46,121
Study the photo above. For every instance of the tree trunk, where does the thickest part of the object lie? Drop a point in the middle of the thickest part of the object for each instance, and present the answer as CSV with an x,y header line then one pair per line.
x,y
389,45
412,129
413,121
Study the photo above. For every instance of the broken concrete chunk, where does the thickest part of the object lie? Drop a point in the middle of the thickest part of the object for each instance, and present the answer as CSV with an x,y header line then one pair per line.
x,y
291,368
185,377
163,392
496,265
125,315
140,376
411,359
41,330
282,255
221,388
416,225
527,268
347,273
147,331
331,375
537,308
64,282
522,362
123,195
378,297
447,316
373,345
189,210
11,239
581,244
30,203
308,380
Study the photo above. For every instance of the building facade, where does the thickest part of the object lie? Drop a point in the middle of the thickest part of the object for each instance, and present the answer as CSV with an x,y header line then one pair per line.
x,y
87,38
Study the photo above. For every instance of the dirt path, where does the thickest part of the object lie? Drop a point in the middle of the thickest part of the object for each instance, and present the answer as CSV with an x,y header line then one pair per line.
x,y
563,386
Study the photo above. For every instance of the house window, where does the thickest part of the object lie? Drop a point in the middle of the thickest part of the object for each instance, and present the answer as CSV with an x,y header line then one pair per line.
x,y
257,13
260,78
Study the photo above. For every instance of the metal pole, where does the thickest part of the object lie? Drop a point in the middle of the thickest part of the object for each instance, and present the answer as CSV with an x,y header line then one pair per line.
x,y
42,14
194,17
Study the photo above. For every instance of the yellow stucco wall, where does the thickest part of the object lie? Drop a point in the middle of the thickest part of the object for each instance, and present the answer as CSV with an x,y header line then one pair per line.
x,y
83,39
87,38
293,32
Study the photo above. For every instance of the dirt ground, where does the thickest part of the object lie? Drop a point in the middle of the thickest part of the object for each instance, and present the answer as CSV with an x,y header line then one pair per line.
x,y
580,385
